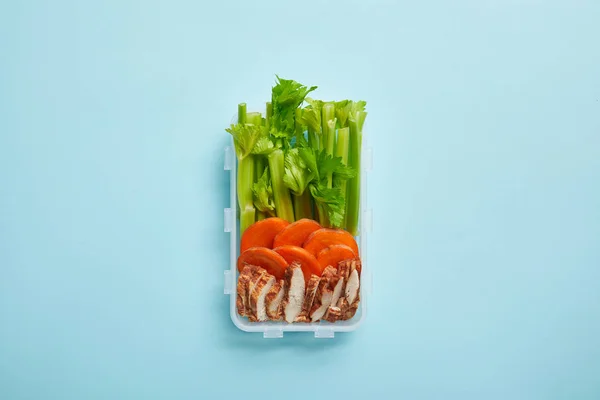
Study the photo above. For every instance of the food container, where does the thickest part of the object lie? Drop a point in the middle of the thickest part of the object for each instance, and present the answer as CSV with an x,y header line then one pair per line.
x,y
276,329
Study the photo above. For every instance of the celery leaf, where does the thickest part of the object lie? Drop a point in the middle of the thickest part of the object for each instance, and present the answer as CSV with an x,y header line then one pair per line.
x,y
287,95
245,137
263,194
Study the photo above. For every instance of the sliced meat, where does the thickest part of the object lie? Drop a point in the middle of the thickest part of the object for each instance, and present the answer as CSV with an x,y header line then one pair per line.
x,y
253,276
333,314
351,290
342,305
351,297
344,269
323,295
293,292
257,297
273,301
311,291
351,309
246,281
329,272
242,289
256,274
337,290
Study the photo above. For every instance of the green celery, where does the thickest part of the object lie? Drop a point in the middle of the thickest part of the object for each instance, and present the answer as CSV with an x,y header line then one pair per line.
x,y
245,195
330,145
286,97
311,118
328,114
255,118
268,116
297,177
303,206
355,122
244,139
242,113
281,194
329,202
263,194
259,169
341,150
261,160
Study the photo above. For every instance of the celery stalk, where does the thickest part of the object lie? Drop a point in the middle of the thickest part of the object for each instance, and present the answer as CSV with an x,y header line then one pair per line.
x,y
245,195
259,168
353,191
313,139
303,205
328,113
242,113
281,194
261,161
245,179
330,136
268,115
253,118
299,130
341,150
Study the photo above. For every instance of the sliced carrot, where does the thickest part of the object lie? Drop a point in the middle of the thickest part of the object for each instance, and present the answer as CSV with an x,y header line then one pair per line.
x,y
265,258
296,233
307,261
262,233
333,254
323,238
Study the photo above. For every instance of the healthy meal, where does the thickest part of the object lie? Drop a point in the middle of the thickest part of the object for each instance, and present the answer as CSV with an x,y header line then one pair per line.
x,y
298,186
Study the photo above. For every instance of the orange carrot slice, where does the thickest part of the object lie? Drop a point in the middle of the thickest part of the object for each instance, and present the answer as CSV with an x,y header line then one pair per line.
x,y
323,238
333,254
272,262
296,233
307,261
262,233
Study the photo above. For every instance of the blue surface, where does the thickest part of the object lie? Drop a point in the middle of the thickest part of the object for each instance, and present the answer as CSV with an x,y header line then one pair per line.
x,y
485,122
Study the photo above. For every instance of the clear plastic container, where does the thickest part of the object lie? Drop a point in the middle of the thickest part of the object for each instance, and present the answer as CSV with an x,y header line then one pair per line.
x,y
275,329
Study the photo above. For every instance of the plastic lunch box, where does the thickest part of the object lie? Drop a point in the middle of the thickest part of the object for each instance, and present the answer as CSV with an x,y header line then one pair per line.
x,y
321,329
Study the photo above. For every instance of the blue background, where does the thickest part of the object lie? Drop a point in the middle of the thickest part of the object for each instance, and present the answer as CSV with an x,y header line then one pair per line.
x,y
485,122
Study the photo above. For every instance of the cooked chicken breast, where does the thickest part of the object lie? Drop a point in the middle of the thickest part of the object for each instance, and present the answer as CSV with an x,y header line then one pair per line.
x,y
257,297
351,290
311,291
337,291
333,314
273,301
242,290
348,303
293,298
323,295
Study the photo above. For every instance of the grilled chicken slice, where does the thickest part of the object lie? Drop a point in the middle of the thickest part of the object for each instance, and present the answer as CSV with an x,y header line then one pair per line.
x,y
342,305
257,297
294,288
351,296
352,286
333,314
350,311
242,290
343,271
273,301
249,276
324,294
311,291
